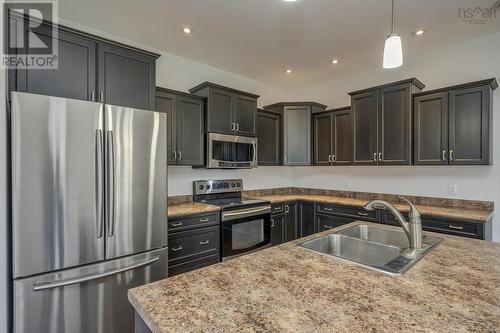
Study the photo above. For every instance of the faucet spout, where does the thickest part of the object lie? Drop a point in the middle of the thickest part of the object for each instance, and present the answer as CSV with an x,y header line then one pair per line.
x,y
412,229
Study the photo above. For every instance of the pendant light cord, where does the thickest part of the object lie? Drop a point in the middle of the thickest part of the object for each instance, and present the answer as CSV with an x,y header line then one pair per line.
x,y
392,21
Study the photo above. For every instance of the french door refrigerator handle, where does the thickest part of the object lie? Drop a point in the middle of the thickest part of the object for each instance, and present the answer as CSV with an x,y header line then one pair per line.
x,y
99,183
110,207
38,286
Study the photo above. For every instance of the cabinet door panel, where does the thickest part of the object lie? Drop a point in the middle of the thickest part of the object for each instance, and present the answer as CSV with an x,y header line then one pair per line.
x,y
190,131
290,227
268,138
165,103
126,77
322,138
75,76
277,223
431,129
395,125
469,126
306,225
364,113
244,115
220,112
297,135
329,222
342,137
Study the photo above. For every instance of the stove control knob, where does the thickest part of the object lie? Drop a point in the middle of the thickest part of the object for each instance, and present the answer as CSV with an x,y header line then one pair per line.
x,y
239,185
233,185
201,187
208,187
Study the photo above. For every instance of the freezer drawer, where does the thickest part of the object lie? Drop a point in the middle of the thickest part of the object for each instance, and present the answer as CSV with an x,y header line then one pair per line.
x,y
97,304
136,181
57,188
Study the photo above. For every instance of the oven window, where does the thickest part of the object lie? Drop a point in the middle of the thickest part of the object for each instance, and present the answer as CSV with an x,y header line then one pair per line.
x,y
247,235
231,151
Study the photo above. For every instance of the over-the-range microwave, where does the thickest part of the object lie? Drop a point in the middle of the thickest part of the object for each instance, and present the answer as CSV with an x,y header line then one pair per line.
x,y
231,151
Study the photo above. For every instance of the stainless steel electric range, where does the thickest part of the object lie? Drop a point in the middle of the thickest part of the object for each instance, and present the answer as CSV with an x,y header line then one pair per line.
x,y
245,222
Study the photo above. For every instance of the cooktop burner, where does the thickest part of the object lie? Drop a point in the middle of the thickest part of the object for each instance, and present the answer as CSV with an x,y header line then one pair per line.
x,y
233,202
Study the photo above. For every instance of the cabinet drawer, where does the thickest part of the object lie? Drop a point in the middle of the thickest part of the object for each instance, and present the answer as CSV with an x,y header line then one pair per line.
x,y
193,222
192,265
187,245
348,211
330,222
278,208
458,228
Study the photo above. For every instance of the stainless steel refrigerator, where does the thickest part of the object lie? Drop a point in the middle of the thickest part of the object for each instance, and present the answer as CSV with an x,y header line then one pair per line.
x,y
89,205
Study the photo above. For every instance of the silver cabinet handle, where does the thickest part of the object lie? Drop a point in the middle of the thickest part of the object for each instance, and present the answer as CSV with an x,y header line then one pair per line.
x,y
272,223
334,159
37,286
362,214
110,159
380,157
327,226
328,209
233,127
179,224
99,183
452,158
206,219
92,96
237,127
180,155
375,157
456,227
329,158
444,155
175,155
204,242
101,96
175,249
287,209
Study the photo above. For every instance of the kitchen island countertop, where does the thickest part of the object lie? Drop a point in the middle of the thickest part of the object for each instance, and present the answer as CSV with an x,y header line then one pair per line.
x,y
286,288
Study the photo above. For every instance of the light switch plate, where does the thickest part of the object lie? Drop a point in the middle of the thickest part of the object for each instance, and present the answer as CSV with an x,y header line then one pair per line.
x,y
452,189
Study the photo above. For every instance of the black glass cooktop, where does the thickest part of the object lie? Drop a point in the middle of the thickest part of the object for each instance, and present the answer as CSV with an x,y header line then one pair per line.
x,y
229,203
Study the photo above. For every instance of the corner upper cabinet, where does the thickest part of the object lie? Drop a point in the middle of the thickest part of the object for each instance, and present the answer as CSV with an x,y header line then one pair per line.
x,y
382,123
453,125
228,111
126,77
269,138
332,137
296,122
185,126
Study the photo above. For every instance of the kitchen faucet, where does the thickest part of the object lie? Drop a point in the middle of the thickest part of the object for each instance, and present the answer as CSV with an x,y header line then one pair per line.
x,y
412,229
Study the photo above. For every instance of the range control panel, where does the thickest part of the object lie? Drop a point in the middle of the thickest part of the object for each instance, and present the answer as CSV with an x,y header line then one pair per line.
x,y
217,186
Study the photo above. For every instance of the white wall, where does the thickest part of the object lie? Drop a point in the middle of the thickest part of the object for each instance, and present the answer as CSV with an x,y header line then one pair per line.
x,y
469,61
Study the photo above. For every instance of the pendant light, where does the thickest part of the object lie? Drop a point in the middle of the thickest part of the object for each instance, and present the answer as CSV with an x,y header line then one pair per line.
x,y
393,51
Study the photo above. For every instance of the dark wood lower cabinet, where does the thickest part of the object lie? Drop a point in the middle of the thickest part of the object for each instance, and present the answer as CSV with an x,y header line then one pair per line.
x,y
277,223
305,224
326,222
290,226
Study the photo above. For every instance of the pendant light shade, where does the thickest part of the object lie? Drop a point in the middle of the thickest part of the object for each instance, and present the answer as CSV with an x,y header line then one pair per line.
x,y
393,50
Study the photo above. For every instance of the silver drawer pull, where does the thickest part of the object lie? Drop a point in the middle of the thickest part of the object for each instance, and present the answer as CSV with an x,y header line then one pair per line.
x,y
328,209
456,227
362,214
328,226
176,224
206,219
175,249
205,242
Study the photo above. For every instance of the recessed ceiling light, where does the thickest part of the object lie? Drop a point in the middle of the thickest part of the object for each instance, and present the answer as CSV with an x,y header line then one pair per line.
x,y
419,32
335,61
187,30
288,71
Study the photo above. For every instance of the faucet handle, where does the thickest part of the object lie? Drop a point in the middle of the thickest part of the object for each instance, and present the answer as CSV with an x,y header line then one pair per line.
x,y
414,213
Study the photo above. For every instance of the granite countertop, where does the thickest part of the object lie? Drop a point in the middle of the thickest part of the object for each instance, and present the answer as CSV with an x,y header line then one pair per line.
x,y
190,208
455,288
477,215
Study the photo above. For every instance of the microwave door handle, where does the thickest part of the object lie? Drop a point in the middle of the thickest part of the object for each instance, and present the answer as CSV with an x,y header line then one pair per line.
x,y
254,146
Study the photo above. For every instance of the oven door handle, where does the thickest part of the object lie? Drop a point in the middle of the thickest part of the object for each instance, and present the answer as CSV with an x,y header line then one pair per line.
x,y
227,216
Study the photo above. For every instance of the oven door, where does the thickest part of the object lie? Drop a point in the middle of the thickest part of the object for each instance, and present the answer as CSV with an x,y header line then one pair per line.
x,y
231,151
245,234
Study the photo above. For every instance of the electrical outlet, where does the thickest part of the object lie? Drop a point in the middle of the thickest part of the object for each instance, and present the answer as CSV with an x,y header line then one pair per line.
x,y
452,189
347,183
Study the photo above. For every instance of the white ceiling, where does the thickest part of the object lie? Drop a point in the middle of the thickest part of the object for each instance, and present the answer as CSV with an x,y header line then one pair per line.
x,y
260,38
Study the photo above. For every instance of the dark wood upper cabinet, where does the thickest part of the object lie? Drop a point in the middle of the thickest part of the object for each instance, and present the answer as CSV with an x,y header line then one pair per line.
x,y
453,124
89,68
126,77
185,126
431,129
268,138
297,133
382,123
332,137
229,111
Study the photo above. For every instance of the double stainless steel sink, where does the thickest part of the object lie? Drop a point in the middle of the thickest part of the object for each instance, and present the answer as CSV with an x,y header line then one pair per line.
x,y
380,248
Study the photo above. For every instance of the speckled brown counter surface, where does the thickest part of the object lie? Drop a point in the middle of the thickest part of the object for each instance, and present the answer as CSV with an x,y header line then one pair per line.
x,y
455,288
189,208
